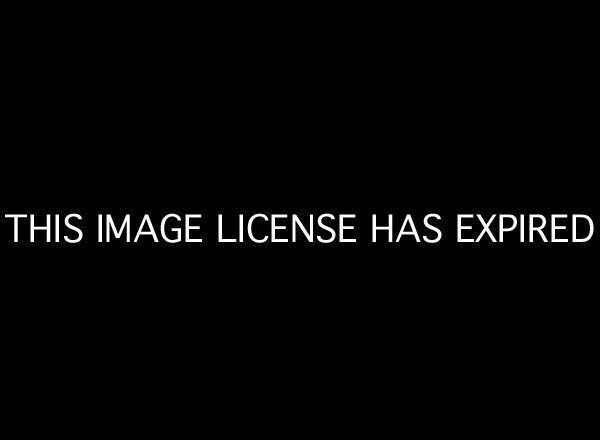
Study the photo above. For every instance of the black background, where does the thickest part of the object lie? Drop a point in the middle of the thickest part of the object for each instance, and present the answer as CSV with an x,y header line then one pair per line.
x,y
386,112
